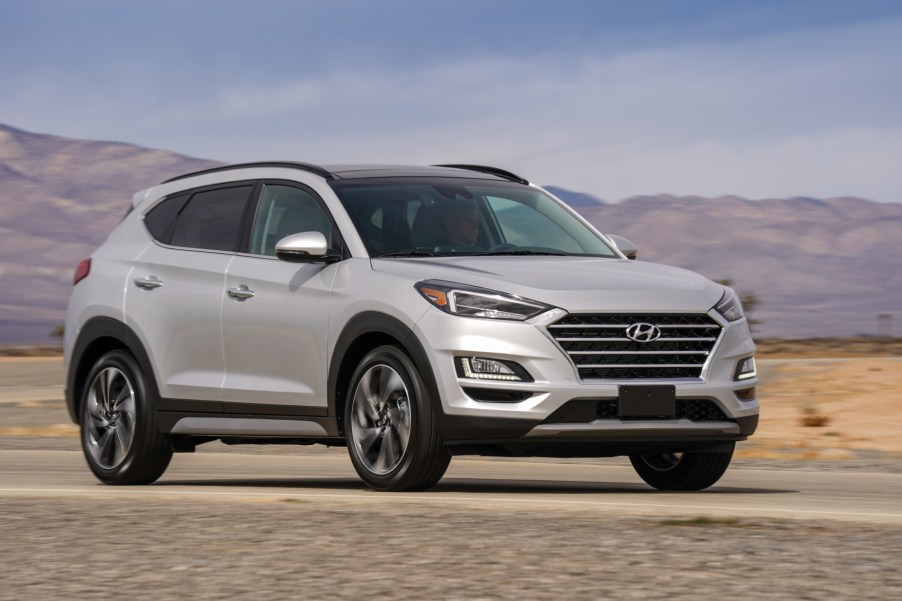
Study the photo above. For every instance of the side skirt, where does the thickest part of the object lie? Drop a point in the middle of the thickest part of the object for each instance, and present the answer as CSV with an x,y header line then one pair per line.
x,y
190,428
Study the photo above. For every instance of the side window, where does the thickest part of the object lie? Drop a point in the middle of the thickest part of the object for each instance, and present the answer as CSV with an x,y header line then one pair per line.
x,y
286,210
211,219
160,221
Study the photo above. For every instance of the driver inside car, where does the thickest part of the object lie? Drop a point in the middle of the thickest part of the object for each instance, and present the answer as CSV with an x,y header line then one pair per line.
x,y
461,225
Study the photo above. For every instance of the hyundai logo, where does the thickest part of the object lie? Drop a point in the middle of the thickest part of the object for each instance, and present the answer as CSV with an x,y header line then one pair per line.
x,y
643,332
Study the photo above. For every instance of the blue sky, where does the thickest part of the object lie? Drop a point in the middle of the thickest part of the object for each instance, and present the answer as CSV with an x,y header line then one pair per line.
x,y
760,99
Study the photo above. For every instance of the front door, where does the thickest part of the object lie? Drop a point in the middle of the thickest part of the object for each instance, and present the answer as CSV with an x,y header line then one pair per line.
x,y
276,314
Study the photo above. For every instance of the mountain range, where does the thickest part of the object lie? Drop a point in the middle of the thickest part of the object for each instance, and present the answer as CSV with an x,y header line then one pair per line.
x,y
819,267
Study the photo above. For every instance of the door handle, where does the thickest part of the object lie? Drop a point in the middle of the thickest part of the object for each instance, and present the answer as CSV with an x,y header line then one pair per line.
x,y
148,283
241,292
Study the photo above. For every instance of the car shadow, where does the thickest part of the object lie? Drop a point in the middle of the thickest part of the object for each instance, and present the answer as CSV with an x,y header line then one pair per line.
x,y
471,486
455,485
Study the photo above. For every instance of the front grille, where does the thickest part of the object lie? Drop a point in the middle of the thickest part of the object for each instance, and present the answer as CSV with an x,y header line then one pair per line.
x,y
598,346
696,410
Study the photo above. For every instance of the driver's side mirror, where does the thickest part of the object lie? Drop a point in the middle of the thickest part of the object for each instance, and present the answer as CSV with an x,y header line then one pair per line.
x,y
306,247
624,246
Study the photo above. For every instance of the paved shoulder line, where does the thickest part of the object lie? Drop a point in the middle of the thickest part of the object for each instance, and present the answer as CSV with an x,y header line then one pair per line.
x,y
633,507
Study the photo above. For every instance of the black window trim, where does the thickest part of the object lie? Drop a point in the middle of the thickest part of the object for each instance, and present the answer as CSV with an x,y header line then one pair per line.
x,y
191,192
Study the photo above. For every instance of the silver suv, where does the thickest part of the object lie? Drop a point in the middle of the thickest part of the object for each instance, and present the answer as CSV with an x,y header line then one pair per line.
x,y
409,313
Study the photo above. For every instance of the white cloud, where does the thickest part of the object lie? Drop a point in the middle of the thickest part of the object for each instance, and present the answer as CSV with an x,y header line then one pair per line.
x,y
853,162
813,114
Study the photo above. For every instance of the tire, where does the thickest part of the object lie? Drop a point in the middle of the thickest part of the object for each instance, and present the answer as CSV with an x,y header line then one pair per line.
x,y
390,425
119,434
682,471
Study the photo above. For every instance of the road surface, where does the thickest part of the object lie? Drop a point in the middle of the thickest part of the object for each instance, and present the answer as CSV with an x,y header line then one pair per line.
x,y
250,526
476,483
284,522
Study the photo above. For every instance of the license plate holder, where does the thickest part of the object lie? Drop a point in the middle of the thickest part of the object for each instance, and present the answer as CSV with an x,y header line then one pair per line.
x,y
647,401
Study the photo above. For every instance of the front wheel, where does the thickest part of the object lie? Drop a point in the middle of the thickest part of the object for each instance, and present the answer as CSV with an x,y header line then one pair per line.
x,y
390,426
682,471
119,434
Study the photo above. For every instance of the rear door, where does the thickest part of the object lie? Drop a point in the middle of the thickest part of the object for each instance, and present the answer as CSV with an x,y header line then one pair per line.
x,y
175,293
276,321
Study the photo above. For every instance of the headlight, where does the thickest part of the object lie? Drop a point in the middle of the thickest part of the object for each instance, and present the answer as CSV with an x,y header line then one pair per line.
x,y
745,369
469,301
729,306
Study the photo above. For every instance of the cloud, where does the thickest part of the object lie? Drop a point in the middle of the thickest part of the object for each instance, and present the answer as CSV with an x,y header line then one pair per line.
x,y
843,162
813,113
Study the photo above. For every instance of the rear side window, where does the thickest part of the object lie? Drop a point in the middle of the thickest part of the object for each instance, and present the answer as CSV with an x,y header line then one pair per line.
x,y
211,219
160,221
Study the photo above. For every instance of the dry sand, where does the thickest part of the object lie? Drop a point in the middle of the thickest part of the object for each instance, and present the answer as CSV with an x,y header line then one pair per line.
x,y
830,408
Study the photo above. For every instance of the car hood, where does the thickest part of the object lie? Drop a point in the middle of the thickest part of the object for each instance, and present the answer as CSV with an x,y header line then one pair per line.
x,y
572,283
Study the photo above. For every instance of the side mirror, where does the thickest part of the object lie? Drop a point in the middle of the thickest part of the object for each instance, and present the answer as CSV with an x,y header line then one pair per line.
x,y
305,247
624,246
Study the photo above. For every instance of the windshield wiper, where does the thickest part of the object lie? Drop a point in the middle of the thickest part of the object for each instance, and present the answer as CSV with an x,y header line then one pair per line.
x,y
521,252
410,253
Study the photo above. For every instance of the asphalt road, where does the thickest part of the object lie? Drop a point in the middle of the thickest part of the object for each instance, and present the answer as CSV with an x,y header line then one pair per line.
x,y
481,483
289,522
250,526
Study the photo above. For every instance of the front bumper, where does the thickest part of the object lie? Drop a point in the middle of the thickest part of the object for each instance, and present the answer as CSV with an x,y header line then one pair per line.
x,y
561,407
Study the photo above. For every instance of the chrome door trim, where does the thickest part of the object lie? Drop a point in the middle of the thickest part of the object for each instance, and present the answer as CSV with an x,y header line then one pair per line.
x,y
241,292
148,283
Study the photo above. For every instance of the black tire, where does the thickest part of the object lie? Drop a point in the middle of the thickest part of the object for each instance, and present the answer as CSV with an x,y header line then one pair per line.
x,y
387,402
119,434
682,471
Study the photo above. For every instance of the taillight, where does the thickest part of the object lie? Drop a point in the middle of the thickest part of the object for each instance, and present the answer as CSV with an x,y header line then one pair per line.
x,y
82,271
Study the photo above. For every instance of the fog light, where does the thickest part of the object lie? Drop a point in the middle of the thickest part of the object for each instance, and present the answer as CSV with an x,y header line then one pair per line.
x,y
746,394
480,368
745,369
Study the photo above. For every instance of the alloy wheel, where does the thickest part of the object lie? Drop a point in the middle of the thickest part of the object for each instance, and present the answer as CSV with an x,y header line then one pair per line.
x,y
111,417
381,419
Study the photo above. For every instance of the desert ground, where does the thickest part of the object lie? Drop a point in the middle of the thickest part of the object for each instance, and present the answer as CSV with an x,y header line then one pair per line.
x,y
821,399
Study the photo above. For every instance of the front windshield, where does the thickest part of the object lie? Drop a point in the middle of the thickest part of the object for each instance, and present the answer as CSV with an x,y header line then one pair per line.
x,y
422,217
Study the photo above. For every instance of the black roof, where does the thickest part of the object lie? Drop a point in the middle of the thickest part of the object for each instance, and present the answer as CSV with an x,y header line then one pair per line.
x,y
333,172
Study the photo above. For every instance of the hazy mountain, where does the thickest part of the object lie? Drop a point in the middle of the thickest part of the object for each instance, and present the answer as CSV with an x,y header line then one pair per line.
x,y
577,200
820,267
58,200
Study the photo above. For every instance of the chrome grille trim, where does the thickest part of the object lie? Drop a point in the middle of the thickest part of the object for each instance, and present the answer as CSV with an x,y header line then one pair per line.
x,y
599,349
587,339
643,353
616,326
633,365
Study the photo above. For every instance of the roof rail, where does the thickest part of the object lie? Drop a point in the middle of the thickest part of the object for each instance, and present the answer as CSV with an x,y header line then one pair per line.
x,y
490,170
302,166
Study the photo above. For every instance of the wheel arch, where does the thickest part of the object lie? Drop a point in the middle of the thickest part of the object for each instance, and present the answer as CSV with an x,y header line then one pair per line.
x,y
363,333
97,337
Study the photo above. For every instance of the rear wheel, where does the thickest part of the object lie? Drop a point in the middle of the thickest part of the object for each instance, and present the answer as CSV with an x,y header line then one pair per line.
x,y
682,471
119,432
390,426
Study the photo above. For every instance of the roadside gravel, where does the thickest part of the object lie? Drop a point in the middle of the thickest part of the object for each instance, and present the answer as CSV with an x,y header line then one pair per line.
x,y
111,549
